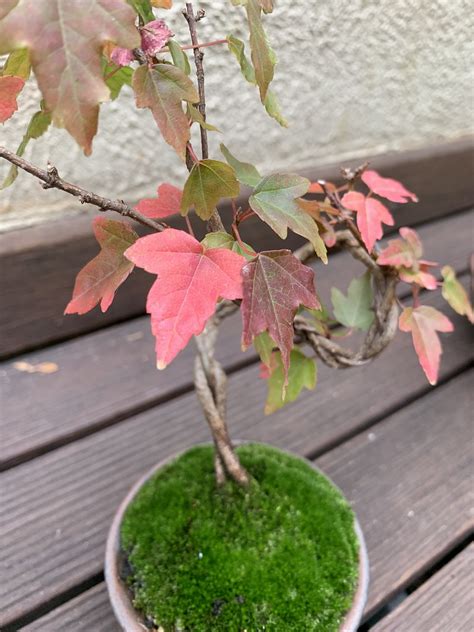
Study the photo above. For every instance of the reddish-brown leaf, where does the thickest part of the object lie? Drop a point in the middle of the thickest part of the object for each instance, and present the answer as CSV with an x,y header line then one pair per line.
x,y
190,280
371,214
275,284
167,203
65,40
424,322
10,88
162,89
100,278
386,187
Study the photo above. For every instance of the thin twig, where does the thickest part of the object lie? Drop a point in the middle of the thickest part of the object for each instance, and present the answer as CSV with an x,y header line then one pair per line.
x,y
215,221
52,180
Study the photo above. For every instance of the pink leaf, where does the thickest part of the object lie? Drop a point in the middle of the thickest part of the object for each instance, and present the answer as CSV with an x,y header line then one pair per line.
x,y
424,322
190,281
386,187
370,216
101,277
275,285
154,36
121,56
402,252
167,203
10,88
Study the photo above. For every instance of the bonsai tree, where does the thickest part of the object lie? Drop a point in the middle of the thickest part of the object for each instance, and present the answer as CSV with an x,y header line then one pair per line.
x,y
81,59
199,283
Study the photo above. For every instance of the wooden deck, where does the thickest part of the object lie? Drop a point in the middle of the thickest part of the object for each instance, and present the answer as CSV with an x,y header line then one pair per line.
x,y
75,440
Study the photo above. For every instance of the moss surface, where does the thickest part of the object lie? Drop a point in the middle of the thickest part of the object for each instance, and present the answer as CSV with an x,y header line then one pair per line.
x,y
280,556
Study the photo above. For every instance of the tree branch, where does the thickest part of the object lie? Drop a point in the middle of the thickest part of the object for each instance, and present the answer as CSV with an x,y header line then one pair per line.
x,y
215,222
51,180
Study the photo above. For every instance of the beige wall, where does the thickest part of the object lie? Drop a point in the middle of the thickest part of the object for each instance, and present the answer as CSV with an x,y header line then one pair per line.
x,y
353,78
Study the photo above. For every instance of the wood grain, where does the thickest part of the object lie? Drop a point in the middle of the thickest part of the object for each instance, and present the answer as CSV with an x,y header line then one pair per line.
x,y
56,508
443,604
44,260
116,367
408,480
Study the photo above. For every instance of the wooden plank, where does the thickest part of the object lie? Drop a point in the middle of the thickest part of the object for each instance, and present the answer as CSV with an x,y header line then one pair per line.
x,y
408,479
443,604
89,612
117,369
56,508
44,260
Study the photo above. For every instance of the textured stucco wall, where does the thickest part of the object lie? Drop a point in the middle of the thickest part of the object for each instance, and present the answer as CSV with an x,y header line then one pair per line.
x,y
353,78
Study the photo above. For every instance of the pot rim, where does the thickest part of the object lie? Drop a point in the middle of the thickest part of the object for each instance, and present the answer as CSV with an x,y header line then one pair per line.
x,y
119,594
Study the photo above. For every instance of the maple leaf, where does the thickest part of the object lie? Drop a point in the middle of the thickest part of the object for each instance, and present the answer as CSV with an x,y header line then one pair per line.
x,y
263,57
405,255
275,284
386,187
37,126
65,43
162,89
167,203
100,278
180,59
355,309
371,214
121,56
220,239
18,64
301,374
190,280
274,201
154,34
10,88
207,183
454,293
403,252
424,322
245,172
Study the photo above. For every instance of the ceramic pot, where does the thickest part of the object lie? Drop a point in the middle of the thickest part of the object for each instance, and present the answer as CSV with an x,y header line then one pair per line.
x,y
120,595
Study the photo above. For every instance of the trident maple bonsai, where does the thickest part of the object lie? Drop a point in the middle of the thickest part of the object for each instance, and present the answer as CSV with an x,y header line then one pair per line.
x,y
83,58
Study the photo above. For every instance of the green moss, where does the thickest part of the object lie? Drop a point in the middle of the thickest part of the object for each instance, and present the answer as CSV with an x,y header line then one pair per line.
x,y
280,556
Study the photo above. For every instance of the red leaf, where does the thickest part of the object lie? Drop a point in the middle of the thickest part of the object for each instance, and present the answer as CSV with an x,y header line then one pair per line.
x,y
190,280
315,187
101,277
167,203
404,254
10,88
154,34
386,187
371,214
424,322
275,284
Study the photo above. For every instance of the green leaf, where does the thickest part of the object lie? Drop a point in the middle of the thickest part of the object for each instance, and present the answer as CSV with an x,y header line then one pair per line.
x,y
196,116
116,77
263,57
180,59
162,89
143,9
208,182
454,293
264,346
274,201
273,109
37,126
224,240
355,309
237,48
18,64
245,172
302,374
